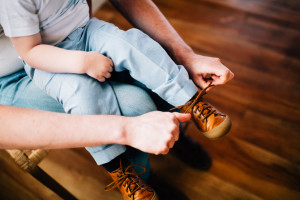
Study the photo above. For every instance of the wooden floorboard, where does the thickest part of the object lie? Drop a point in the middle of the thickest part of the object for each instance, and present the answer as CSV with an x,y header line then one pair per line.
x,y
17,184
285,12
260,158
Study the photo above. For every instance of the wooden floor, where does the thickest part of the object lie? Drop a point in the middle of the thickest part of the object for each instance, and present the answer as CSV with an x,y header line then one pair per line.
x,y
260,158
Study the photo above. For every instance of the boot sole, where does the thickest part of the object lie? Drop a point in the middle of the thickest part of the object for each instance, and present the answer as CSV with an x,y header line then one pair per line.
x,y
155,197
219,131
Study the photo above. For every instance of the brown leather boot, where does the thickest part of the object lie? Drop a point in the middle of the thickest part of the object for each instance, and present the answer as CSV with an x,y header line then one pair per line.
x,y
212,123
131,186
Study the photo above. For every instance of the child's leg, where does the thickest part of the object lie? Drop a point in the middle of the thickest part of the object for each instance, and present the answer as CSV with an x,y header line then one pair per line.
x,y
80,94
144,58
148,63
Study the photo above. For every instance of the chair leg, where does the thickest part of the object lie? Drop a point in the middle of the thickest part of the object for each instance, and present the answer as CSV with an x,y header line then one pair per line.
x,y
44,178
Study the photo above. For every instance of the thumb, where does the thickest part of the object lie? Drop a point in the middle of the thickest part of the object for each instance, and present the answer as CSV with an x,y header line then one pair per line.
x,y
182,117
201,82
217,80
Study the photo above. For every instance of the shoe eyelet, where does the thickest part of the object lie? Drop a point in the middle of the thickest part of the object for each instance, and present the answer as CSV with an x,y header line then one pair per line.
x,y
203,121
118,175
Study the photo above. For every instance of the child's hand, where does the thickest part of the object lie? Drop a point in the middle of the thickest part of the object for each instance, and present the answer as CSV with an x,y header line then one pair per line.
x,y
97,65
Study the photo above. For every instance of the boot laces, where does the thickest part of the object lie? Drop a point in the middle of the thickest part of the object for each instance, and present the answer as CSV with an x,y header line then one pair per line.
x,y
127,179
200,108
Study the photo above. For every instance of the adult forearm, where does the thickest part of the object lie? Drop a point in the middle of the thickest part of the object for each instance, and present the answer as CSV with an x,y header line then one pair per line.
x,y
30,129
154,132
145,15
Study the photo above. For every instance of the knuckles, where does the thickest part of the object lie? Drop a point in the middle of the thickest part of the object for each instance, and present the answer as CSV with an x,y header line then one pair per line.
x,y
165,150
217,60
101,79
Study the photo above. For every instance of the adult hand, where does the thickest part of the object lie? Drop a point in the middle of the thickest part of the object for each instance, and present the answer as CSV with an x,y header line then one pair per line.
x,y
97,65
154,132
204,69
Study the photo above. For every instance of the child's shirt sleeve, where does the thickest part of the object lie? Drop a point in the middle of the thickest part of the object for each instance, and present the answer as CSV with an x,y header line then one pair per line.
x,y
19,17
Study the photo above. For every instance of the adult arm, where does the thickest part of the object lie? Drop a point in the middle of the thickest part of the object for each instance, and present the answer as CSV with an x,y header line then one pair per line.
x,y
145,15
31,129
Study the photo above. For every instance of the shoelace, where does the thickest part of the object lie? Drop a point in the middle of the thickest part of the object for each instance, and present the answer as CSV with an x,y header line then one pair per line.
x,y
204,107
129,178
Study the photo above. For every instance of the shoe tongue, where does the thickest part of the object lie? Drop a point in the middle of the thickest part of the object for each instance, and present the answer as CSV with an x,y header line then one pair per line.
x,y
133,183
114,175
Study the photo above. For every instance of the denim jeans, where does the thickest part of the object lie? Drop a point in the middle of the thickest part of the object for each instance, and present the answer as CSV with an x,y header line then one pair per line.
x,y
132,51
18,90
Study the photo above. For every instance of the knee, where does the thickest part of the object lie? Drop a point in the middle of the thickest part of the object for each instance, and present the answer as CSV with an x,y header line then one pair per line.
x,y
133,101
140,39
80,94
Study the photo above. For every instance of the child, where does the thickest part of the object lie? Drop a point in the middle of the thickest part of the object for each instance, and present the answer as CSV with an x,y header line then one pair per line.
x,y
73,55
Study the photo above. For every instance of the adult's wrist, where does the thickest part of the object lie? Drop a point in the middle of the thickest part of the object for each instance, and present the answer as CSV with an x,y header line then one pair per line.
x,y
105,129
125,128
182,53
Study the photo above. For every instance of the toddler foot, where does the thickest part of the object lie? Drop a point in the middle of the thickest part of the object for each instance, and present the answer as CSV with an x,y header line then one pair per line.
x,y
212,123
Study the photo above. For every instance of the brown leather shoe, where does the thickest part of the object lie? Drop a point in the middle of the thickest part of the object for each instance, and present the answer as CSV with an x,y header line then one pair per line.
x,y
212,123
131,186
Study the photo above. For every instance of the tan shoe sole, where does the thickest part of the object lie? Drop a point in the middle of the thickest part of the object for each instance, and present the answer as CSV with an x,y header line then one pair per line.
x,y
219,131
155,197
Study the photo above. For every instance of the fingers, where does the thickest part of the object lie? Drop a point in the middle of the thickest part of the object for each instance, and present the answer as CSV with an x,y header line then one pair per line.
x,y
169,146
177,117
160,131
224,78
222,75
182,117
227,76
172,142
102,68
101,79
173,134
111,65
110,69
107,69
166,151
201,82
107,75
104,77
205,70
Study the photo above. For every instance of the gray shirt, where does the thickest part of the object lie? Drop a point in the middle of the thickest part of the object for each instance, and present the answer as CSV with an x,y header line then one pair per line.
x,y
54,19
9,61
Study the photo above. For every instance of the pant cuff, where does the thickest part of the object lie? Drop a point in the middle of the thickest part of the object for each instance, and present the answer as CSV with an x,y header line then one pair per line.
x,y
179,89
105,155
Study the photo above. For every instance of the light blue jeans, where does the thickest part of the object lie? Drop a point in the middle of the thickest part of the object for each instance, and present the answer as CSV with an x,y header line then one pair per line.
x,y
18,90
132,50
